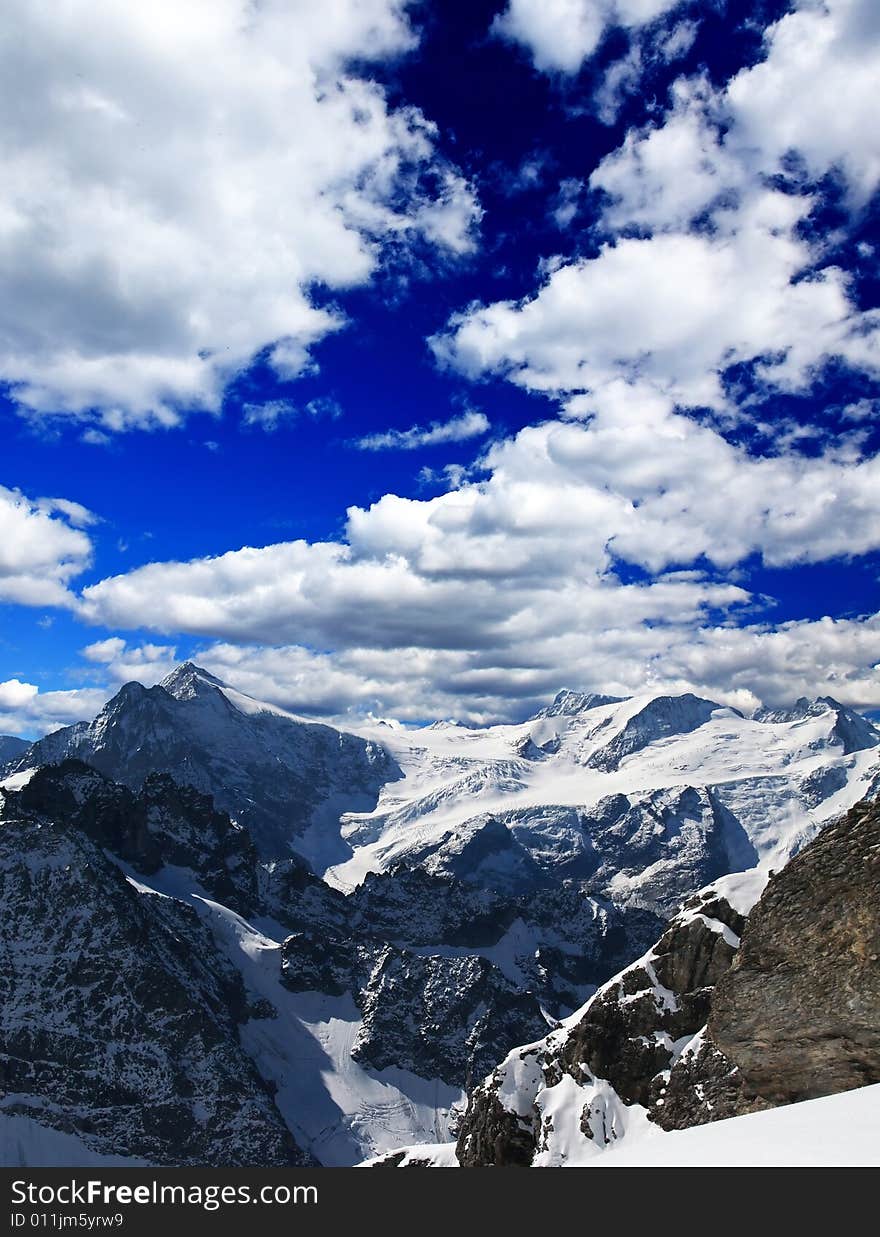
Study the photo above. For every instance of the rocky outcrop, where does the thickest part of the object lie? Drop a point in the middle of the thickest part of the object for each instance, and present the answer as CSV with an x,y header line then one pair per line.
x,y
162,824
705,1027
613,1052
799,1012
440,1017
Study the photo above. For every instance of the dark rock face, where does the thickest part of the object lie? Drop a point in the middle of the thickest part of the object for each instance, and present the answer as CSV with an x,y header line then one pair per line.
x,y
270,772
627,1032
119,1018
441,1017
162,824
702,1086
799,1012
494,1137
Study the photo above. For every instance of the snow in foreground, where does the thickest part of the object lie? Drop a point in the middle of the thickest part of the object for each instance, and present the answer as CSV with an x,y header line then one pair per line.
x,y
837,1131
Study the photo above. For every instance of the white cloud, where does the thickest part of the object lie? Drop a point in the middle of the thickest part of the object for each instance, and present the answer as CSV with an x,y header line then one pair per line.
x,y
681,305
14,694
815,92
27,711
273,413
269,415
148,663
740,666
675,309
177,176
41,548
485,598
457,429
560,35
103,651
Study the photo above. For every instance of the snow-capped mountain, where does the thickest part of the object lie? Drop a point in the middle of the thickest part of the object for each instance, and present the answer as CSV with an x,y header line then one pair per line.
x,y
640,800
480,885
278,774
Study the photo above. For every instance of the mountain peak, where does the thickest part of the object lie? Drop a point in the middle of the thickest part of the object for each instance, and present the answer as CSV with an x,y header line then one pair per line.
x,y
568,702
185,680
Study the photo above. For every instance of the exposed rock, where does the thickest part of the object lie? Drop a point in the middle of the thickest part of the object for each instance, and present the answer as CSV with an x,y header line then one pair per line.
x,y
161,824
440,1017
799,1012
568,703
119,1018
625,1039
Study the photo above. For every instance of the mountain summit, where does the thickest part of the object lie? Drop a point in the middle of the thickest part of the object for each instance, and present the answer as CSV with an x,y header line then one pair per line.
x,y
282,777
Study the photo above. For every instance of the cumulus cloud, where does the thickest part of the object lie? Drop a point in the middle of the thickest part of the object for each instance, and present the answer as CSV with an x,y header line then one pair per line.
x,y
176,177
29,712
726,273
121,662
42,548
677,309
560,35
739,666
457,429
502,587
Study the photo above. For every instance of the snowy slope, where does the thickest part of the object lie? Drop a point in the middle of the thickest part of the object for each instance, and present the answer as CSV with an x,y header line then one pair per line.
x,y
834,1131
338,1111
837,1131
764,788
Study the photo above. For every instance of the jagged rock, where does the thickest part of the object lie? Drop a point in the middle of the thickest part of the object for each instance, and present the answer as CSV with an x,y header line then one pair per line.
x,y
161,824
119,1018
652,849
568,703
317,963
440,1017
627,1033
627,1037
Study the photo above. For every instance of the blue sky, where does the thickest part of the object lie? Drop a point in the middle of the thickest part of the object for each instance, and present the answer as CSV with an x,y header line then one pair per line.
x,y
423,359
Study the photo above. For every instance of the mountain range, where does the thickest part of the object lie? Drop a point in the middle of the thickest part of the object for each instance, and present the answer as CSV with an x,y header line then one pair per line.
x,y
291,943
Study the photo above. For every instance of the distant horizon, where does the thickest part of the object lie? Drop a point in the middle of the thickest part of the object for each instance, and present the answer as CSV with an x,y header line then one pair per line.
x,y
365,720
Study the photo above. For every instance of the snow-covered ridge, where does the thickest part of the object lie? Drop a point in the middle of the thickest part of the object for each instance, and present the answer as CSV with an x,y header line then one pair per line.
x,y
764,785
